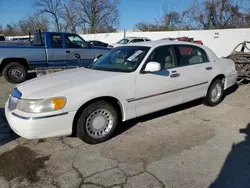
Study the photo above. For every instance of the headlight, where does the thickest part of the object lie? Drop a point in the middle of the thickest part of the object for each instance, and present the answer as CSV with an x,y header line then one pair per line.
x,y
44,105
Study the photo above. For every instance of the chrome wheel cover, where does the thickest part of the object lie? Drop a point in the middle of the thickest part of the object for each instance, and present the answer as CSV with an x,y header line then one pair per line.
x,y
99,123
216,93
15,73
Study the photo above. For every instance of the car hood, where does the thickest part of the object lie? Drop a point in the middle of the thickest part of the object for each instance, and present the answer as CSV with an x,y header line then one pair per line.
x,y
66,82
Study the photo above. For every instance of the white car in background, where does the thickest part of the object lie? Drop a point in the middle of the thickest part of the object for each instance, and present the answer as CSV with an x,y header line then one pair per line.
x,y
125,83
129,40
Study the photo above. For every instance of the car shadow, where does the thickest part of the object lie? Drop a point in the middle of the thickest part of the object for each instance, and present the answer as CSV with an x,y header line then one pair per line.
x,y
31,75
231,90
236,168
6,133
125,126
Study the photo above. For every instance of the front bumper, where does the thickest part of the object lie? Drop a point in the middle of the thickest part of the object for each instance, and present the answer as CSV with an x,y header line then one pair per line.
x,y
40,126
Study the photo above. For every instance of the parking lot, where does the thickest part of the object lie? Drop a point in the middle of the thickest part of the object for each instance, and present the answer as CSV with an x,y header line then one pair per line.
x,y
189,146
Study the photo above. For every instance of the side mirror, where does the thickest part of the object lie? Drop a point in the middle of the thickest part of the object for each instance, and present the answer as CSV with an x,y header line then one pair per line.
x,y
152,67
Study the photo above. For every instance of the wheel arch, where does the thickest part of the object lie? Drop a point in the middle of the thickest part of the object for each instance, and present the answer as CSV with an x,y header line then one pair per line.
x,y
117,104
222,77
6,61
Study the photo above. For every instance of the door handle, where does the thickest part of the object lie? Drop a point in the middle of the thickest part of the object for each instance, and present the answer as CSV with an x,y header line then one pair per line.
x,y
209,68
78,56
175,75
67,51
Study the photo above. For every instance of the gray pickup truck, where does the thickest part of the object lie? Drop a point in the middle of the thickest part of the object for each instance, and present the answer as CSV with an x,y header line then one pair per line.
x,y
47,50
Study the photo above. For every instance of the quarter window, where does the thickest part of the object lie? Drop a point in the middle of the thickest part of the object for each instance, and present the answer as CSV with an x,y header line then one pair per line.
x,y
190,55
165,56
56,41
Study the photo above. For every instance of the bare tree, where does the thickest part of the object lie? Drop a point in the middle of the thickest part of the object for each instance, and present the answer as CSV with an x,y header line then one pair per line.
x,y
11,30
143,26
1,29
215,14
98,14
32,23
51,7
170,21
70,17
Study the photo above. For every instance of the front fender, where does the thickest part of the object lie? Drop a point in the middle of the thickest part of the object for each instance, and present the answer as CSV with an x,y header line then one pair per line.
x,y
75,102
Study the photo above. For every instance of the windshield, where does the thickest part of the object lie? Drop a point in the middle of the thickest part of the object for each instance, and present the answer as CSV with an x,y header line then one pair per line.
x,y
121,59
123,41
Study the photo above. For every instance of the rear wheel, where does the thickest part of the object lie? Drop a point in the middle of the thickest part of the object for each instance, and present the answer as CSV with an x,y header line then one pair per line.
x,y
97,122
215,93
15,73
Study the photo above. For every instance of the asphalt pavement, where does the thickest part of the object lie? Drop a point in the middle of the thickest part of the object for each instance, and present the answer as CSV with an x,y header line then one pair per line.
x,y
189,146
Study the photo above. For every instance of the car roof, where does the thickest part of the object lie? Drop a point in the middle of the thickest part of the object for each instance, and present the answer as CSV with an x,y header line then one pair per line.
x,y
135,38
162,42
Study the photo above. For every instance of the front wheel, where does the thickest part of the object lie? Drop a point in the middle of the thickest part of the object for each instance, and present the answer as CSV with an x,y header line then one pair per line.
x,y
15,73
97,122
215,93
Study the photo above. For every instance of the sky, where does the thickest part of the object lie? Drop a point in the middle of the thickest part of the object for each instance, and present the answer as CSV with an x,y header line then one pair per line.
x,y
131,11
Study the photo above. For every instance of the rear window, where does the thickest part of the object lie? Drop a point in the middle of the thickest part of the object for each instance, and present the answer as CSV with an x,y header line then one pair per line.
x,y
2,38
185,50
190,55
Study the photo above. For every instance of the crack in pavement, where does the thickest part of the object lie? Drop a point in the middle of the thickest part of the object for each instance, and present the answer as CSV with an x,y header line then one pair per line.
x,y
79,173
100,172
55,184
162,184
93,184
63,142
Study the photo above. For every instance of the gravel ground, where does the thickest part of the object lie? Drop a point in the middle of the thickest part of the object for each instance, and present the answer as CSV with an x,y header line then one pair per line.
x,y
189,146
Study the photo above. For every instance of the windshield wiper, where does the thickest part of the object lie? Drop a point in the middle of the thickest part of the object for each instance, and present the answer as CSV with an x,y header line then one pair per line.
x,y
100,68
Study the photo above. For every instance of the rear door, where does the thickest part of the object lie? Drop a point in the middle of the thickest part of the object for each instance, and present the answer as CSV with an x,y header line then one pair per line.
x,y
195,66
78,51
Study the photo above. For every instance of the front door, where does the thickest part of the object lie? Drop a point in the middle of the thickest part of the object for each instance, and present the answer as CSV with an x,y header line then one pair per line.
x,y
159,90
78,51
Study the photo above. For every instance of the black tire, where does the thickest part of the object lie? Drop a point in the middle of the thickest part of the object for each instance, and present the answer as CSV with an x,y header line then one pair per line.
x,y
19,77
209,99
84,126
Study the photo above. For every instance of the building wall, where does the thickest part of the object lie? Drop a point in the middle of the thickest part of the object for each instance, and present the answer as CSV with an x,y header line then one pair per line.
x,y
222,42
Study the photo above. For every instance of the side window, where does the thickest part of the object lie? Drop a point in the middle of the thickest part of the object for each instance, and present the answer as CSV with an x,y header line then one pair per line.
x,y
133,41
56,41
165,56
140,40
189,55
74,41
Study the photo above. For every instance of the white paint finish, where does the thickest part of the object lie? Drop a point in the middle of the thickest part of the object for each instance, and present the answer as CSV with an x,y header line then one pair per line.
x,y
222,46
151,84
81,85
41,128
196,75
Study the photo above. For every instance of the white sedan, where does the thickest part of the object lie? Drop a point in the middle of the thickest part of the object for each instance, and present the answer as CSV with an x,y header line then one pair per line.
x,y
127,82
